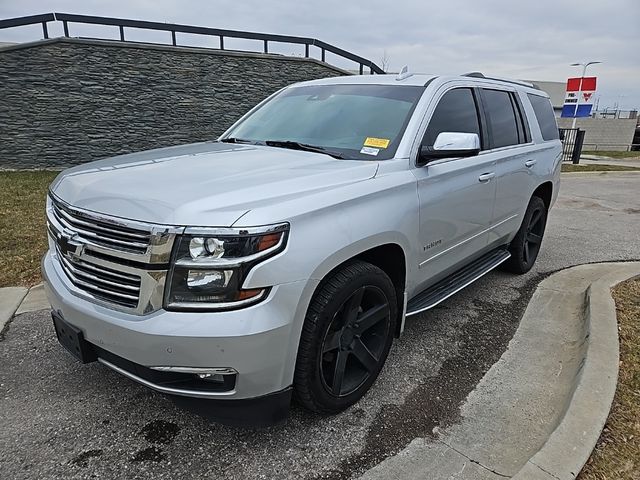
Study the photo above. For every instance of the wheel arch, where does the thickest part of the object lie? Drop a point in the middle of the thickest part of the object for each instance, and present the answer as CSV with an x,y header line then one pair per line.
x,y
545,192
391,258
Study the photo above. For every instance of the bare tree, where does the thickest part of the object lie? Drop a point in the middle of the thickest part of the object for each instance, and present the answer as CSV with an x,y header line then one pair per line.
x,y
384,61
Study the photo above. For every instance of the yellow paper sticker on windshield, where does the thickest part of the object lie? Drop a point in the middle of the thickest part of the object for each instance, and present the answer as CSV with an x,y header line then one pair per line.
x,y
376,142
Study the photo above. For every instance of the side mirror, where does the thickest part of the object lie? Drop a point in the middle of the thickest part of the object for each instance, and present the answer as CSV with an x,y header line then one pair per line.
x,y
451,145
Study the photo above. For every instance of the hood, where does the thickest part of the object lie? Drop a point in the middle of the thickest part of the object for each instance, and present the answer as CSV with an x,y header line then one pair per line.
x,y
204,184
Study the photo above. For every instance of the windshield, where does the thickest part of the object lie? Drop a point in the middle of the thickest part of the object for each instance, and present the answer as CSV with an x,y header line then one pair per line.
x,y
349,121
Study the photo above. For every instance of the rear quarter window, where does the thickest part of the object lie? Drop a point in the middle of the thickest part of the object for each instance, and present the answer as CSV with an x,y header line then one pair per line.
x,y
545,117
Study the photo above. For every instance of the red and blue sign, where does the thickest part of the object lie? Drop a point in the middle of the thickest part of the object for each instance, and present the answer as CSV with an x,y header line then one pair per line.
x,y
578,100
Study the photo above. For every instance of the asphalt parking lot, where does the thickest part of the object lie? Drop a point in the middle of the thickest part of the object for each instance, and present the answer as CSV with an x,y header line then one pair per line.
x,y
63,419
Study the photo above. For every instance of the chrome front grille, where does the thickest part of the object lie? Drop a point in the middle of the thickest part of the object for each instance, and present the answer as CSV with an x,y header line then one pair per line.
x,y
115,262
101,282
109,234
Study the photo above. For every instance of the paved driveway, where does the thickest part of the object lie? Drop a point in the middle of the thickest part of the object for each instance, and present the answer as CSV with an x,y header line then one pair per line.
x,y
62,419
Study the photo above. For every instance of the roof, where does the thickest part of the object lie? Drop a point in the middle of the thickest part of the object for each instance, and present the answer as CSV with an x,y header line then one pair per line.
x,y
417,79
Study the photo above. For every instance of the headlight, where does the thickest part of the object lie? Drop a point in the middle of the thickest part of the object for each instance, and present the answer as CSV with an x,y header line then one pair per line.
x,y
210,264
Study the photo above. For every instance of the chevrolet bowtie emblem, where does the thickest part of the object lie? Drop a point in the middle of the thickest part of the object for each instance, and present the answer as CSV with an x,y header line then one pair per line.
x,y
69,246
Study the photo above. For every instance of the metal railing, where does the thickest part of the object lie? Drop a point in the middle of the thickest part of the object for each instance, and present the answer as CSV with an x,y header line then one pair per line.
x,y
572,140
67,19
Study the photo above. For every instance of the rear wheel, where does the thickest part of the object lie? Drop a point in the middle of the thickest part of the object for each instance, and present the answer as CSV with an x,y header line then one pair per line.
x,y
346,338
525,246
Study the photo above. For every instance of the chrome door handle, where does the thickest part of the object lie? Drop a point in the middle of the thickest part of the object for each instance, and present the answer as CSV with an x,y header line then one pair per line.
x,y
485,177
530,163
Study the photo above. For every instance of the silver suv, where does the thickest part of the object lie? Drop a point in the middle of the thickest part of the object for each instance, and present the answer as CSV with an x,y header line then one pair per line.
x,y
283,258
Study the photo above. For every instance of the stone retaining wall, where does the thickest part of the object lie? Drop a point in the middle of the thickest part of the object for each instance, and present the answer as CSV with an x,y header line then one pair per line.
x,y
70,101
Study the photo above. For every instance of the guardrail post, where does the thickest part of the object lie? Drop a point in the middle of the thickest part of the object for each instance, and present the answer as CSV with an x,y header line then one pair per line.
x,y
221,42
121,33
266,46
361,69
306,50
65,26
322,54
173,38
45,32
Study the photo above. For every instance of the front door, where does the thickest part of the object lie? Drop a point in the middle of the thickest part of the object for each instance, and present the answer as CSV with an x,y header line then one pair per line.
x,y
456,194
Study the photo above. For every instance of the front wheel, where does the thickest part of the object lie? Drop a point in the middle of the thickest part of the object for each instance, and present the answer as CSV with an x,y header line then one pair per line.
x,y
525,246
346,338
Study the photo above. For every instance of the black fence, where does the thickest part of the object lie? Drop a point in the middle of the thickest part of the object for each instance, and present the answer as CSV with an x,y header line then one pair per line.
x,y
572,140
173,28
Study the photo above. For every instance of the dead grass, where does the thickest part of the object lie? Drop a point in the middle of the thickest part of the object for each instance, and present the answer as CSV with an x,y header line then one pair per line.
x,y
23,239
617,454
570,167
613,154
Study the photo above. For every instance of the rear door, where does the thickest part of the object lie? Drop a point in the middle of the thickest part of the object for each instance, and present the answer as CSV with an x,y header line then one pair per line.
x,y
513,152
456,195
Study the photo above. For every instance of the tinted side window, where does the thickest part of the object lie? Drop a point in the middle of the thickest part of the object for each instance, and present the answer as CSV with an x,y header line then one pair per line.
x,y
502,119
456,112
521,118
544,115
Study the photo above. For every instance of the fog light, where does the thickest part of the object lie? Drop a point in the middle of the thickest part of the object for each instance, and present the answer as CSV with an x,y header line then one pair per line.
x,y
211,377
208,279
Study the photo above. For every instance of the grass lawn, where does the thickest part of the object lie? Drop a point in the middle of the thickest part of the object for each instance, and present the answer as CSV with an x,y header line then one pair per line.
x,y
617,454
605,153
22,222
570,167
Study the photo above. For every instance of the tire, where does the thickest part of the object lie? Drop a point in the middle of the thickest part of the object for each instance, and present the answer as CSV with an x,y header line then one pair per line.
x,y
525,246
349,327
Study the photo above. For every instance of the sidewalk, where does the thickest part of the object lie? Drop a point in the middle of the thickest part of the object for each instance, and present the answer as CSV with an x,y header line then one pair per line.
x,y
598,160
17,300
538,412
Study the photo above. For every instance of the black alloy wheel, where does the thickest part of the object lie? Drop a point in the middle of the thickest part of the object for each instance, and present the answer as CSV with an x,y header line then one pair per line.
x,y
355,340
533,236
525,246
345,338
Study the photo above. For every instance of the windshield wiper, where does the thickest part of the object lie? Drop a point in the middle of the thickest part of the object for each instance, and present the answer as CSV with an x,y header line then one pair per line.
x,y
302,146
235,140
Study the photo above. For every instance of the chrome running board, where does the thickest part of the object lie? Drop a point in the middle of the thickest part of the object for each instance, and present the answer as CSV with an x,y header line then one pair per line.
x,y
455,282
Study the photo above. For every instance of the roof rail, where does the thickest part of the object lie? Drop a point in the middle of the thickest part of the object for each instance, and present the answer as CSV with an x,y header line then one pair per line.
x,y
500,79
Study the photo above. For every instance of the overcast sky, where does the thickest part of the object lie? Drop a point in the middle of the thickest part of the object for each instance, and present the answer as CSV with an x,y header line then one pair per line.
x,y
519,39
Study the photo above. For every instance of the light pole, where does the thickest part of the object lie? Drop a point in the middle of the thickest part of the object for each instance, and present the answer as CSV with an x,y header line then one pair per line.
x,y
584,71
618,103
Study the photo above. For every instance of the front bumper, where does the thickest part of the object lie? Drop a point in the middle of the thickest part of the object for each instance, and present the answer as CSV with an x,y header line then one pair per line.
x,y
259,342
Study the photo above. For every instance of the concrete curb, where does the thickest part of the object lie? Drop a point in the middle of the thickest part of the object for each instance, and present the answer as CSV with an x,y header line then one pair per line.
x,y
17,300
571,443
538,412
10,300
35,300
602,172
609,159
